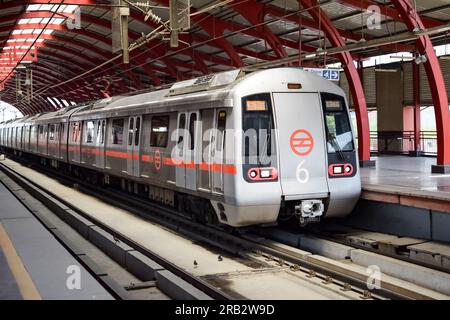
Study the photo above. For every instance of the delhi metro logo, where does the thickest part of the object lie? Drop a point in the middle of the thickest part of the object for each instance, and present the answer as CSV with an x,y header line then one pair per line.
x,y
302,142
158,160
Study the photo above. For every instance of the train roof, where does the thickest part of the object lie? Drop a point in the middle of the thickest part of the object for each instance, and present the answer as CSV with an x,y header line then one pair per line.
x,y
207,92
203,92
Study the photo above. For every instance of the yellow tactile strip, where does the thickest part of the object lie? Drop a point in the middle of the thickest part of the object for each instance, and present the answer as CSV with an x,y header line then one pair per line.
x,y
23,279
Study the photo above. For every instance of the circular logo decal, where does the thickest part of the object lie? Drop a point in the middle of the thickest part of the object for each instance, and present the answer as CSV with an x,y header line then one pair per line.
x,y
302,142
158,160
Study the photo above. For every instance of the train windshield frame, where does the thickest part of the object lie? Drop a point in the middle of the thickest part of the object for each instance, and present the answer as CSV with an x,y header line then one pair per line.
x,y
338,128
258,124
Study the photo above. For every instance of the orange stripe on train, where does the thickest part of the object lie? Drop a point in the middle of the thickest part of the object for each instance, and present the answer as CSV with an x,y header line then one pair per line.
x,y
167,161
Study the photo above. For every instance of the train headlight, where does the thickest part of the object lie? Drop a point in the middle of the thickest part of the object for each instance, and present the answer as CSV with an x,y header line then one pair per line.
x,y
337,170
263,174
266,173
340,170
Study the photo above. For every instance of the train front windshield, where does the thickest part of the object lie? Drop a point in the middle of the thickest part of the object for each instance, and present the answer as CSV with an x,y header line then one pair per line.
x,y
257,125
338,130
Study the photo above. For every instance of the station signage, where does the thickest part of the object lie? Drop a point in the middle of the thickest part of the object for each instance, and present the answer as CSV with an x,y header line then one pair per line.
x,y
329,74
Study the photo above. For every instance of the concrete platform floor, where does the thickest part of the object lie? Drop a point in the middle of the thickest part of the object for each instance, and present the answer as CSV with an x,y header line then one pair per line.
x,y
407,173
33,264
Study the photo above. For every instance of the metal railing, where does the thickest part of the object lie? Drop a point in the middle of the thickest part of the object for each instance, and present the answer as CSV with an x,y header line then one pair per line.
x,y
402,142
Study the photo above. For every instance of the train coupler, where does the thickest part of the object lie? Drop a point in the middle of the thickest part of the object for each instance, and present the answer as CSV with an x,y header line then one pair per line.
x,y
309,211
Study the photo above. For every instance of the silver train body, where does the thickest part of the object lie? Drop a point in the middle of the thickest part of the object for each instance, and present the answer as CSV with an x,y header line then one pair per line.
x,y
244,149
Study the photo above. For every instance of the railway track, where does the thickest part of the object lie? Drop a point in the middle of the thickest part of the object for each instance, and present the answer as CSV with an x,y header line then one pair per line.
x,y
56,204
245,245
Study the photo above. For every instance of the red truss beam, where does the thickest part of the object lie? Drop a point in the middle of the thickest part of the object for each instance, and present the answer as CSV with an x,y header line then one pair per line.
x,y
254,12
352,74
436,81
311,24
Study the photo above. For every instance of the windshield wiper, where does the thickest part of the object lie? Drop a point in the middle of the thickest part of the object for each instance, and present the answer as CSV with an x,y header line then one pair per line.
x,y
337,147
264,151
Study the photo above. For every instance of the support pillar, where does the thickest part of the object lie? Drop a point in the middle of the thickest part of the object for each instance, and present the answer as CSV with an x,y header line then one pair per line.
x,y
417,126
437,85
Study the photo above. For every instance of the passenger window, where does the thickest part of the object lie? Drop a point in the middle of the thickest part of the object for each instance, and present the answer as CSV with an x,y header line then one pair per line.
x,y
192,120
52,132
160,131
76,132
57,126
221,125
181,127
103,131
89,131
61,132
130,131
138,128
117,131
100,132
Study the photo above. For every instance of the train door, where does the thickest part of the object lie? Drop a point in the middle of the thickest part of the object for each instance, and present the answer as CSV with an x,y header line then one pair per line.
x,y
57,140
218,151
133,146
205,171
192,150
100,144
21,138
180,170
137,146
62,149
303,164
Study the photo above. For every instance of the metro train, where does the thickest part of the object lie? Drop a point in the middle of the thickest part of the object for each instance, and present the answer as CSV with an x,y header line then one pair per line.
x,y
232,148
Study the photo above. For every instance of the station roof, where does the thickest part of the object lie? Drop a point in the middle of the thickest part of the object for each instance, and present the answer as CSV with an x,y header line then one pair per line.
x,y
47,37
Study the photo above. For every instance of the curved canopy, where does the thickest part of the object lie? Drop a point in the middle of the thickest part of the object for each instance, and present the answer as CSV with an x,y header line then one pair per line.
x,y
61,40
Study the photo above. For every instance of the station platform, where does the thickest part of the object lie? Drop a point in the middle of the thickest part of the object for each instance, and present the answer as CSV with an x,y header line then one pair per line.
x,y
402,197
407,181
33,264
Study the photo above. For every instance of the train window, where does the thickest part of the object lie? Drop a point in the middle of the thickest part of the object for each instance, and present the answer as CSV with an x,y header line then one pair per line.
x,y
101,131
34,131
90,127
160,131
62,132
137,132
75,132
192,120
181,127
337,122
257,124
52,132
221,125
117,131
56,131
130,131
